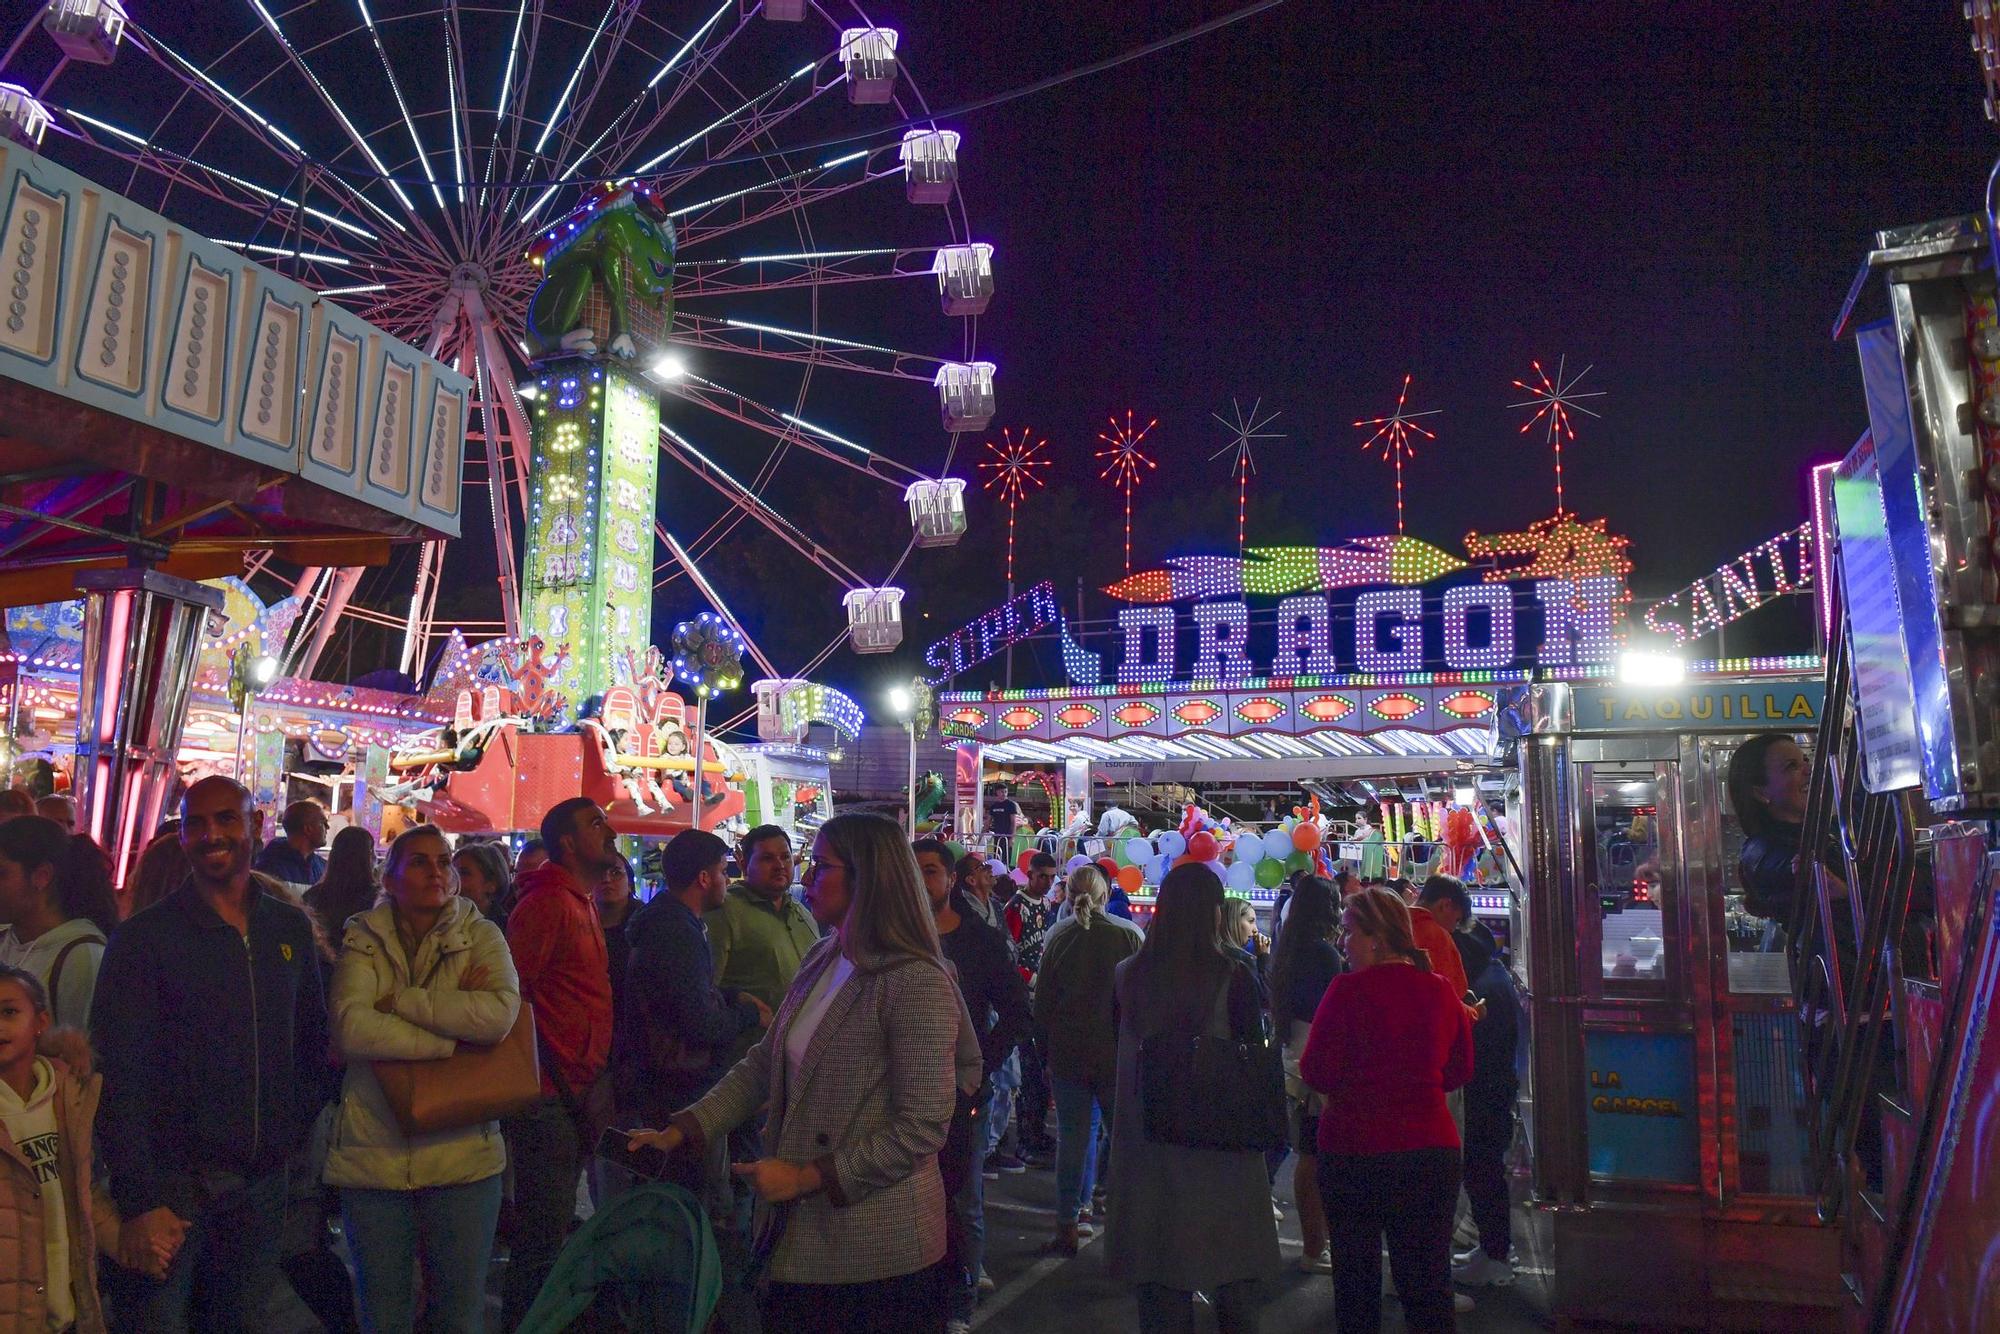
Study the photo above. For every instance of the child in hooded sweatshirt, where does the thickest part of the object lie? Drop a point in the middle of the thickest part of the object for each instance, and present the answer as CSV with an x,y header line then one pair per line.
x,y
52,1221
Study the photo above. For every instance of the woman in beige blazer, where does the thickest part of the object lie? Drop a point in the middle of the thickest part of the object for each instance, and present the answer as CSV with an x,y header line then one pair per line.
x,y
858,1070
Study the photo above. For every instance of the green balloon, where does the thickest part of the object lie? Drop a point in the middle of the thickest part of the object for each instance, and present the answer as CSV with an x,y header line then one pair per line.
x,y
1298,861
957,851
1270,873
1118,852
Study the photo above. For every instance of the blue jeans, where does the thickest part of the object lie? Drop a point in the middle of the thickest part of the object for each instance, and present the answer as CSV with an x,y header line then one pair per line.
x,y
967,1209
448,1228
222,1276
1081,1106
1006,1080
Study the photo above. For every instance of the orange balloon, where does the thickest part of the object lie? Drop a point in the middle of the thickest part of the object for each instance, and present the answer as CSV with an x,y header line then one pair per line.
x,y
1305,837
1182,860
1130,878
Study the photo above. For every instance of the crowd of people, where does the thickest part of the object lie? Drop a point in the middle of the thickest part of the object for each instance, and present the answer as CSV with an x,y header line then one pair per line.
x,y
194,1074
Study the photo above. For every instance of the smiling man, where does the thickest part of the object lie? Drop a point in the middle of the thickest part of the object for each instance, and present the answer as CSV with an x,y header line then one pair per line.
x,y
210,1028
760,933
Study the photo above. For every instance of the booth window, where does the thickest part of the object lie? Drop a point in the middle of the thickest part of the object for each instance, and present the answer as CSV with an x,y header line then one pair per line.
x,y
1625,823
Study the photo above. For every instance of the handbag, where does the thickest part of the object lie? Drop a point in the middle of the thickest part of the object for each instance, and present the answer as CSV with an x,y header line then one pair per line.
x,y
1223,1091
473,1085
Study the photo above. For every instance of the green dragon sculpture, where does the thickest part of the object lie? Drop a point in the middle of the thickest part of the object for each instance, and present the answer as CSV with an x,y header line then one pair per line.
x,y
620,240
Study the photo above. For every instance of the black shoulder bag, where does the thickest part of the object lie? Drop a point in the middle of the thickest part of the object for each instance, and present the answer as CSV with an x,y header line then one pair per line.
x,y
1207,1091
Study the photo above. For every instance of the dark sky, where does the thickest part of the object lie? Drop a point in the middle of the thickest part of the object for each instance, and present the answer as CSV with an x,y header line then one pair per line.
x,y
1308,205
1300,208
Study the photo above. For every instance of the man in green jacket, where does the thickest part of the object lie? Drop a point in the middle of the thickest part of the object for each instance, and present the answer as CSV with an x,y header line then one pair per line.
x,y
760,933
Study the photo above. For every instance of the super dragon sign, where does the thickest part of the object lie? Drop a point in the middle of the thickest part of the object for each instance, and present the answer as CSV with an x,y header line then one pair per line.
x,y
1550,596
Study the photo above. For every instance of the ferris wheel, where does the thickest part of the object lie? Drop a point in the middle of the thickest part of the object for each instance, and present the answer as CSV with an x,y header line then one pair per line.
x,y
403,157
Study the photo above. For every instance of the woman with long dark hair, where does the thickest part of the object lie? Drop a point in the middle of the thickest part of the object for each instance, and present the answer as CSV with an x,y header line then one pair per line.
x,y
1186,1220
1389,1040
50,892
857,1076
350,885
1303,966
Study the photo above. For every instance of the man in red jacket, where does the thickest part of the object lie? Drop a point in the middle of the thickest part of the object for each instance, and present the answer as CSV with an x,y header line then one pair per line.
x,y
565,971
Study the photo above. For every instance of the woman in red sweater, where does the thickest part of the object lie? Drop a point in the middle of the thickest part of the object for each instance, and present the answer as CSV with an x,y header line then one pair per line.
x,y
1389,1040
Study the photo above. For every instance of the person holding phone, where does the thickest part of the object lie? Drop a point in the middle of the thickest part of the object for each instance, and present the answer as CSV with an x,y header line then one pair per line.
x,y
417,975
859,1071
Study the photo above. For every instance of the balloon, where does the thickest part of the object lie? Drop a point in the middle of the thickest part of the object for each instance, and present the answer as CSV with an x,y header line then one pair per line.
x,y
1306,837
1138,851
998,868
1172,844
1181,861
1298,861
1270,872
1278,843
1161,865
1202,847
1242,875
1130,878
1109,867
1025,860
1070,867
1248,849
1019,877
957,851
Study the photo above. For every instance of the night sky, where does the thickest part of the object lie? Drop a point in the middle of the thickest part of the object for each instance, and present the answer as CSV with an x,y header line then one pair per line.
x,y
1301,208
1308,205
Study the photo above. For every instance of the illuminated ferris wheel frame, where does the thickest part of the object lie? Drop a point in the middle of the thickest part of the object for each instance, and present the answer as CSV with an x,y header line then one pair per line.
x,y
355,149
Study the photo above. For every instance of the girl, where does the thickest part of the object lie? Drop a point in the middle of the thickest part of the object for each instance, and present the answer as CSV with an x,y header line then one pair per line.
x,y
45,890
54,1218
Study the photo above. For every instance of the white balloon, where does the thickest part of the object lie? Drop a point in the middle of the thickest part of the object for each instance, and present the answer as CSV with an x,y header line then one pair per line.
x,y
1248,850
1278,843
1069,867
1242,877
1138,851
1172,844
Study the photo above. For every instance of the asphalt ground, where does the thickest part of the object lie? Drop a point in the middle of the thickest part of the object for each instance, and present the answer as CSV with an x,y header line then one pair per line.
x,y
1041,1294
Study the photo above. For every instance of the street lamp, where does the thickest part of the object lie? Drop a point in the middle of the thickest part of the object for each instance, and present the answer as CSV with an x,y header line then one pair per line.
x,y
901,702
248,676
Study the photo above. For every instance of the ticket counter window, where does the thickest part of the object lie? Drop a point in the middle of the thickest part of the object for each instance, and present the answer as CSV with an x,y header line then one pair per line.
x,y
1633,942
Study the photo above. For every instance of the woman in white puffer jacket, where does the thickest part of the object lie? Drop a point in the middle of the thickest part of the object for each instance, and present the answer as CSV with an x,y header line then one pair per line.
x,y
418,974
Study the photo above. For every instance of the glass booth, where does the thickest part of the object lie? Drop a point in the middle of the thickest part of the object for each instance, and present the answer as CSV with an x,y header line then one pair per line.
x,y
1665,1104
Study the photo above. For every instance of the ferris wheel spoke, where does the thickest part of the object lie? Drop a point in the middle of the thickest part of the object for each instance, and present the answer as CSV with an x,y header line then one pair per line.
x,y
714,218
208,180
571,112
700,581
197,82
626,134
327,99
775,343
753,112
785,272
792,429
756,507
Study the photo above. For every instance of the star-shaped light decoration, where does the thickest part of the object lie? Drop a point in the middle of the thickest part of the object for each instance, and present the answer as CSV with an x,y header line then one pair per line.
x,y
1012,467
1126,460
1554,400
1246,429
1392,436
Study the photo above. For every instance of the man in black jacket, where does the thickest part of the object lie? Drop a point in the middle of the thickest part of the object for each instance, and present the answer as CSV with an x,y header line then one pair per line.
x,y
675,1027
211,1033
996,996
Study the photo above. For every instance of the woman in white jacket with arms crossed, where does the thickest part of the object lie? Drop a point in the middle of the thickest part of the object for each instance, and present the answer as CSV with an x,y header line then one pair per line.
x,y
417,975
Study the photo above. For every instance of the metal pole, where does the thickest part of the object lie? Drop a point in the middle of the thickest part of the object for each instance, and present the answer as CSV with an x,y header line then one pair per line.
x,y
913,771
700,741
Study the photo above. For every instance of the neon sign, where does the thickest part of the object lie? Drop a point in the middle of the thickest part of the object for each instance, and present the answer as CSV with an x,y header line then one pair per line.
x,y
1787,563
992,634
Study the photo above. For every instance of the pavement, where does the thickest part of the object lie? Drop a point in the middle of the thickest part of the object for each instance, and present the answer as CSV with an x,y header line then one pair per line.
x,y
1039,1294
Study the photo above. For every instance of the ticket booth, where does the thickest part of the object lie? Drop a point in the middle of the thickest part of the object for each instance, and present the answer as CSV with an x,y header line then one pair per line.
x,y
1666,1102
